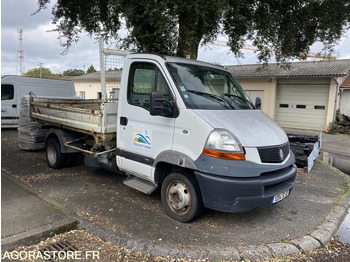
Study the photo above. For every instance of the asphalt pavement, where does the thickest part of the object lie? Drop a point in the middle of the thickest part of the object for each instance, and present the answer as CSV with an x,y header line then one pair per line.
x,y
37,200
26,218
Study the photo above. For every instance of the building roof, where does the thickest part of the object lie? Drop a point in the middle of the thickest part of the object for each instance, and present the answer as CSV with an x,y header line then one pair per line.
x,y
114,75
60,77
325,68
346,83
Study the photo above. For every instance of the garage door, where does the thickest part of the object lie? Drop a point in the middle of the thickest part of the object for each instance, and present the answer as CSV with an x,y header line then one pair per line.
x,y
302,103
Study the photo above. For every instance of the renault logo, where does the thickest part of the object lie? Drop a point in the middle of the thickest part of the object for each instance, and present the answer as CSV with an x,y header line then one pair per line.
x,y
281,154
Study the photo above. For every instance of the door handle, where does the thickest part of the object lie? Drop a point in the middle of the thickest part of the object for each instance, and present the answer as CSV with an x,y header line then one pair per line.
x,y
14,106
123,121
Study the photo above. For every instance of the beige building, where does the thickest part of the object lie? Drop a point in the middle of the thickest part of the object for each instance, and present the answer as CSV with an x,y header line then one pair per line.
x,y
300,95
89,86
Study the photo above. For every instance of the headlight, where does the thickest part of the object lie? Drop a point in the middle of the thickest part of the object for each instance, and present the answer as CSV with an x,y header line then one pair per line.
x,y
222,144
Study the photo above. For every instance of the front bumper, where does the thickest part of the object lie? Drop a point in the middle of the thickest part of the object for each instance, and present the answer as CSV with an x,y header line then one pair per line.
x,y
229,193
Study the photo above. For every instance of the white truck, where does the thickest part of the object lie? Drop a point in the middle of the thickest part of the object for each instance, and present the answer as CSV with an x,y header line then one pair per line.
x,y
183,126
14,87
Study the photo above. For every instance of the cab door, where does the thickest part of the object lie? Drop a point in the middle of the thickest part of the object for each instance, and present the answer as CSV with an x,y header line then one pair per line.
x,y
141,136
9,114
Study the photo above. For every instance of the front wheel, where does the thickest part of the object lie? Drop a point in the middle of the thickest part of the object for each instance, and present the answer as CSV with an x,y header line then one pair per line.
x,y
181,197
54,157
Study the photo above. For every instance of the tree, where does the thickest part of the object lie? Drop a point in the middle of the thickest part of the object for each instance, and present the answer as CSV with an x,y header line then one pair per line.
x,y
35,72
288,27
91,69
73,72
152,27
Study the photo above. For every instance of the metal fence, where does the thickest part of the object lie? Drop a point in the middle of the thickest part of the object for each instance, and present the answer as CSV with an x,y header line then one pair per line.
x,y
111,66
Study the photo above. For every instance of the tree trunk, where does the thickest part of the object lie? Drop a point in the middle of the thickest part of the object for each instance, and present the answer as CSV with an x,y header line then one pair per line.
x,y
188,50
189,34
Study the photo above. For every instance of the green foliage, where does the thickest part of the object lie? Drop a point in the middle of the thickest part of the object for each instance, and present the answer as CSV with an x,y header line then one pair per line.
x,y
288,27
91,69
333,128
73,72
35,72
198,20
151,24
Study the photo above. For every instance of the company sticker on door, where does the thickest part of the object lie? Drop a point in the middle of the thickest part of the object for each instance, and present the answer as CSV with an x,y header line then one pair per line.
x,y
142,138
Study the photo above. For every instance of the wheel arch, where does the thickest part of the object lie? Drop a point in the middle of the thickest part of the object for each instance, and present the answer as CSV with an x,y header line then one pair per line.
x,y
163,169
62,137
172,161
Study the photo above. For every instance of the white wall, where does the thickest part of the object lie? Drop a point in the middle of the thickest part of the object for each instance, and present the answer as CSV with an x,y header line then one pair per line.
x,y
345,101
91,89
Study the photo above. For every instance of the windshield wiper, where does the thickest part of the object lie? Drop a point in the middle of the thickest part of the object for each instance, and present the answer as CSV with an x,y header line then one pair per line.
x,y
239,97
210,95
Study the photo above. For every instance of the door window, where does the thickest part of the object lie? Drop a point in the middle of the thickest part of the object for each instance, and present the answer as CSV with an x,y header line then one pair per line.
x,y
144,79
7,92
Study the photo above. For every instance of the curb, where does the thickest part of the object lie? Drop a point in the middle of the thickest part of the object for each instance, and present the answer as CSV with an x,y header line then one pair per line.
x,y
41,233
317,238
38,234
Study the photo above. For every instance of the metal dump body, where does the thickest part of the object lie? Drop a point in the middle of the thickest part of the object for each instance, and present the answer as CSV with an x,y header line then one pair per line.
x,y
90,116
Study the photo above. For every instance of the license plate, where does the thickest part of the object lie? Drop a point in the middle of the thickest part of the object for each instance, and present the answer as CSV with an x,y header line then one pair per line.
x,y
279,197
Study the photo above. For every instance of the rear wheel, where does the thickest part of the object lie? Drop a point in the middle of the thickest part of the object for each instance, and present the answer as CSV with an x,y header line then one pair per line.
x,y
181,197
54,157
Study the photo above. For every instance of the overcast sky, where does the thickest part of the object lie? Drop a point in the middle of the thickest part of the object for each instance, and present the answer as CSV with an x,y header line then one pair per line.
x,y
44,47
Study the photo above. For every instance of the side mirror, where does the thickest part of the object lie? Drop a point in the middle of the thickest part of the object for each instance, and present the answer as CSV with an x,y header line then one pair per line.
x,y
159,106
258,103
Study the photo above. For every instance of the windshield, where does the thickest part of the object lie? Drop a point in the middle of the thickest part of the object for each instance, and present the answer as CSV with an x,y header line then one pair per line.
x,y
208,88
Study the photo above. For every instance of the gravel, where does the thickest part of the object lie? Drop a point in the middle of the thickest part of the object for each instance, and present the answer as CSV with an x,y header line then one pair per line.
x,y
105,251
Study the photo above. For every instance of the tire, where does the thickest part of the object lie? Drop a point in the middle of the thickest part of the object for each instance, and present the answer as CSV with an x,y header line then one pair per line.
x,y
55,159
181,197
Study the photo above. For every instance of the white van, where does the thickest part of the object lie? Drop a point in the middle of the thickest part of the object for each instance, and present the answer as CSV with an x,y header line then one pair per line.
x,y
14,87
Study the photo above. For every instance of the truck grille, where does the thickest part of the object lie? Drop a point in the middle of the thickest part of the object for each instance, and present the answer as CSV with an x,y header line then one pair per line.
x,y
275,154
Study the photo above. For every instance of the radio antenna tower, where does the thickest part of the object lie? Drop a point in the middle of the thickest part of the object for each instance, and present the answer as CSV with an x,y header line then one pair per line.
x,y
20,55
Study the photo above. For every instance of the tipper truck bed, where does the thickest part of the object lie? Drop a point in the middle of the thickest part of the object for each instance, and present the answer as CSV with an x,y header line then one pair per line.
x,y
89,116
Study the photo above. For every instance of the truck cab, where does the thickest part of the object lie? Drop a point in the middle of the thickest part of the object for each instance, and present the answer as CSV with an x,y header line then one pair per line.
x,y
189,128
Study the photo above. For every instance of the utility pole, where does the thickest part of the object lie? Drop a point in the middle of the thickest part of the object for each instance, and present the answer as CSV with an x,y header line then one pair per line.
x,y
20,55
40,65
